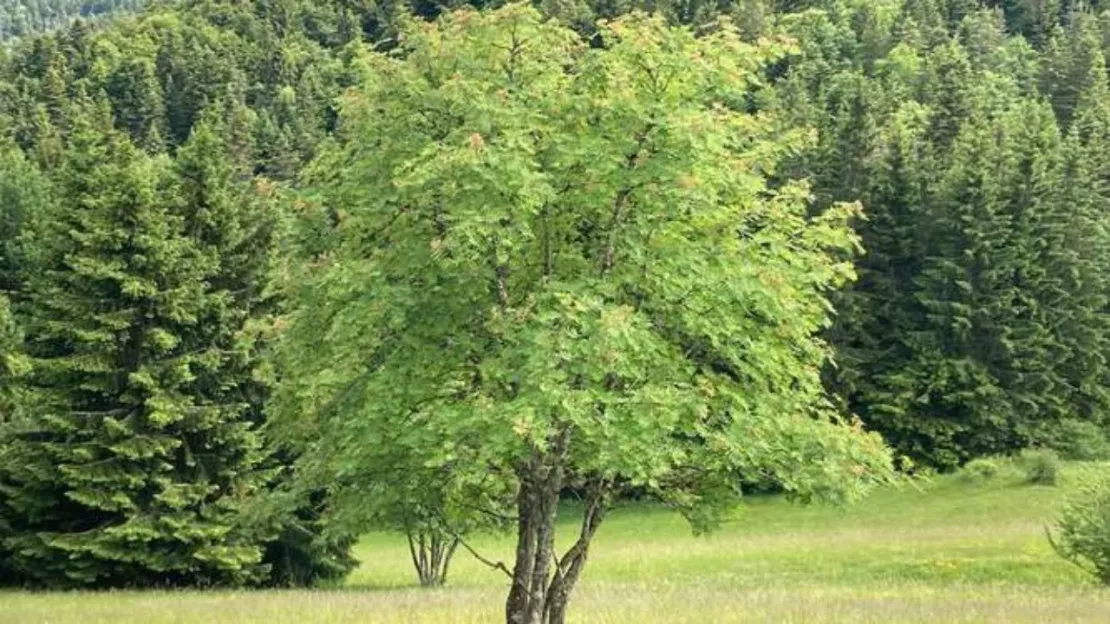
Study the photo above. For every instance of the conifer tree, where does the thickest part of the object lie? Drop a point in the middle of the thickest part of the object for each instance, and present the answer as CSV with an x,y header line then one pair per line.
x,y
137,102
233,221
877,316
24,194
1081,253
138,455
947,386
1070,56
12,367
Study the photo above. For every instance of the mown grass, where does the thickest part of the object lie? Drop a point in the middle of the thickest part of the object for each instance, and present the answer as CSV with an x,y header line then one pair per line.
x,y
946,551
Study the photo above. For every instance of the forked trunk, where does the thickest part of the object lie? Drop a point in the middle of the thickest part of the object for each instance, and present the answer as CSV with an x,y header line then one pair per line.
x,y
542,581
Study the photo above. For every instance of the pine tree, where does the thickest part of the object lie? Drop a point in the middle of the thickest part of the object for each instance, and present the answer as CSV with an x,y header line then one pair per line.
x,y
1080,255
878,316
948,80
1034,309
137,102
132,468
949,383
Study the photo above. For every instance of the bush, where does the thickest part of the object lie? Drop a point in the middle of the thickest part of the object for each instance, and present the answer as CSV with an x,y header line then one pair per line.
x,y
1083,530
1041,466
981,470
1080,440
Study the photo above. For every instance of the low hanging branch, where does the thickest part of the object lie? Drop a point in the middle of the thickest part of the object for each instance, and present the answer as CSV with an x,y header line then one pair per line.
x,y
496,565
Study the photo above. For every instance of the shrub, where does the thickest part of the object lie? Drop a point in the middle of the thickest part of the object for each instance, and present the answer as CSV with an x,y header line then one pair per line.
x,y
982,469
1083,529
1080,440
1041,466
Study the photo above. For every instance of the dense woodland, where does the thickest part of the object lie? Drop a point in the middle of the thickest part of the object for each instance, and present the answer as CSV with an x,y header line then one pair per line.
x,y
20,19
200,297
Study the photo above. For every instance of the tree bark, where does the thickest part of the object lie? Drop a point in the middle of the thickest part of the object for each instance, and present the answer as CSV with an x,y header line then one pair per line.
x,y
541,480
539,594
516,607
569,568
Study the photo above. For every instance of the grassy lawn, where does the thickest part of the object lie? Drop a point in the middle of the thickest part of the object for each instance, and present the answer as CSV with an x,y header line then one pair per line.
x,y
949,551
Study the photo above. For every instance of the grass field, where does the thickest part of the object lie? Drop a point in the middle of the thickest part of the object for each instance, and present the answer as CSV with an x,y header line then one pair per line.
x,y
949,551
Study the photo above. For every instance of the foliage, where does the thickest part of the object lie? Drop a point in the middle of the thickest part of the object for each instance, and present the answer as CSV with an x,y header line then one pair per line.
x,y
27,17
1082,533
1041,466
130,467
1083,441
299,551
981,469
175,80
975,134
978,325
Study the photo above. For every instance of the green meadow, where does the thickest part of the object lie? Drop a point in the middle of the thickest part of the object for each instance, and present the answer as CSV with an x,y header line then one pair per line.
x,y
944,550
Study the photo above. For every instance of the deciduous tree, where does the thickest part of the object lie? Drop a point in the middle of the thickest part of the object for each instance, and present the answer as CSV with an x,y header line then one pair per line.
x,y
559,266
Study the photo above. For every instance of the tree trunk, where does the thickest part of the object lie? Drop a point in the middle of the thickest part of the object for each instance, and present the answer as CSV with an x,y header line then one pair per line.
x,y
539,594
537,503
516,607
569,568
431,556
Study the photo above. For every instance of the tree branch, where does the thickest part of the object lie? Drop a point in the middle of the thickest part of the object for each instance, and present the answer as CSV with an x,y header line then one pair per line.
x,y
496,565
621,199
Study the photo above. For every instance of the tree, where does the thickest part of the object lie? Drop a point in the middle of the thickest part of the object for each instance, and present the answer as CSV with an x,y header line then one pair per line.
x,y
24,195
13,366
137,456
233,222
138,102
561,264
1069,59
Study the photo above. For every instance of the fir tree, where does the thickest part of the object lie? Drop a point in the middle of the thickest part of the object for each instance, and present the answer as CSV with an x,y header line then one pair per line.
x,y
131,469
24,195
1069,58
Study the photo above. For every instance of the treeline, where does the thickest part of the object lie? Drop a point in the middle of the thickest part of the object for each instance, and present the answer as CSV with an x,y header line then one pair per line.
x,y
149,228
978,324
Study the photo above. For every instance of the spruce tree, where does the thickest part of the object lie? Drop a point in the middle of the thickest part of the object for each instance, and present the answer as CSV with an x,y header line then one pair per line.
x,y
138,455
948,384
13,366
24,195
877,317
233,221
1069,58
1081,254
137,102
1034,309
